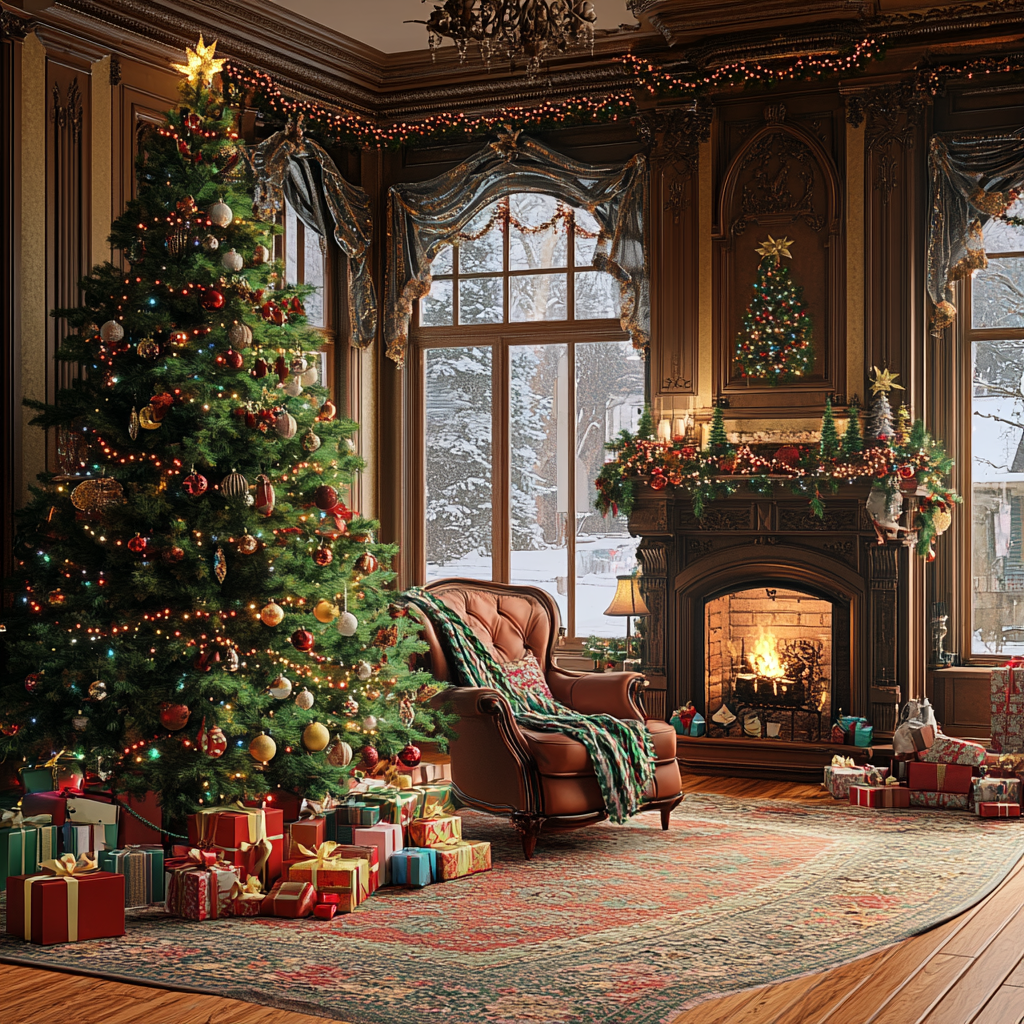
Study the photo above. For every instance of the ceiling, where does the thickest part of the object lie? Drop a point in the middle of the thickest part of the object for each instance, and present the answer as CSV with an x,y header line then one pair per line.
x,y
380,23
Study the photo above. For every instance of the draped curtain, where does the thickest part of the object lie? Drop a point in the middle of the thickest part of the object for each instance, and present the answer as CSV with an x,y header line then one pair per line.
x,y
423,218
289,167
972,177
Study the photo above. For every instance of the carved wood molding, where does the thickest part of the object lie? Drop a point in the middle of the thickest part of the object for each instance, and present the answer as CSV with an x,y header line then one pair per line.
x,y
11,26
68,115
674,135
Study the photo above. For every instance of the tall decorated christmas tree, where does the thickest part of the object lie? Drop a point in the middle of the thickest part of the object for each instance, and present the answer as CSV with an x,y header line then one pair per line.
x,y
775,343
203,616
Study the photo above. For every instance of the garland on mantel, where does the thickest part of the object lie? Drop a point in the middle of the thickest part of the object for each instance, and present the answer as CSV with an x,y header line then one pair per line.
x,y
910,461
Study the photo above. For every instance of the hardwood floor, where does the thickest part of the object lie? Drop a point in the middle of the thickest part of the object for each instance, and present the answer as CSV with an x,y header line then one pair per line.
x,y
967,971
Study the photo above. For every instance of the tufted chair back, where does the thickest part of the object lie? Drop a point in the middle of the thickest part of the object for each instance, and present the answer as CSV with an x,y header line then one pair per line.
x,y
509,620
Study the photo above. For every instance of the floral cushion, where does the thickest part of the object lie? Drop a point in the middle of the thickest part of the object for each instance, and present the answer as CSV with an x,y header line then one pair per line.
x,y
525,676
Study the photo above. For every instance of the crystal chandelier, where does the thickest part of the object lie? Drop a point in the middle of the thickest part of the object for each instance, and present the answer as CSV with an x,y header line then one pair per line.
x,y
512,29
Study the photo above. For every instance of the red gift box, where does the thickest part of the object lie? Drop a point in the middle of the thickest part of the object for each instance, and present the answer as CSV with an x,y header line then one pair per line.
x,y
51,908
329,897
368,853
54,804
199,891
289,899
879,796
942,778
992,809
249,838
131,831
325,911
309,832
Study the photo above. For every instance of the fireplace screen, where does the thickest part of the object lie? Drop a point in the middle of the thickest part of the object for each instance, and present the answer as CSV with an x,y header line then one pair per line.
x,y
768,664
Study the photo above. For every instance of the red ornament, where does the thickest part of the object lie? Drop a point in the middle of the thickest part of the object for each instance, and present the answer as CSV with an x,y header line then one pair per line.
x,y
325,497
10,729
179,337
327,412
174,716
260,369
659,482
233,359
212,742
174,554
138,544
265,496
195,484
410,756
366,562
193,122
370,758
33,681
303,640
281,369
788,456
323,555
212,299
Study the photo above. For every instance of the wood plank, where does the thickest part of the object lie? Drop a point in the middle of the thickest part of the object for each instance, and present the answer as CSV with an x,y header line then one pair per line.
x,y
831,989
1005,1007
920,992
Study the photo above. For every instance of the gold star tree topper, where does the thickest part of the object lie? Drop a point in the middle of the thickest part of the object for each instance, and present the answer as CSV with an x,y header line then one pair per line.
x,y
777,247
200,65
884,381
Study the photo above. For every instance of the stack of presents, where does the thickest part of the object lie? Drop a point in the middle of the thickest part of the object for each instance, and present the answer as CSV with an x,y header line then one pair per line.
x,y
72,861
933,770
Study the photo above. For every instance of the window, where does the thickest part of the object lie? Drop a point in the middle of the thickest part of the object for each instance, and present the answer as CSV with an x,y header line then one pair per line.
x,y
995,325
526,374
304,263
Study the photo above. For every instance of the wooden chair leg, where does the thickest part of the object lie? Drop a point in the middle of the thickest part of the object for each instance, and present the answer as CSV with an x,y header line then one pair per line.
x,y
528,828
666,813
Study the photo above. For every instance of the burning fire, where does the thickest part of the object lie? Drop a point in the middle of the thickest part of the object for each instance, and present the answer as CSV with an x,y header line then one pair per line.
x,y
764,660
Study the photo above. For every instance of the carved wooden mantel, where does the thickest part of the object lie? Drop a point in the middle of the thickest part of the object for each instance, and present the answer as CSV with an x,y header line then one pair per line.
x,y
747,538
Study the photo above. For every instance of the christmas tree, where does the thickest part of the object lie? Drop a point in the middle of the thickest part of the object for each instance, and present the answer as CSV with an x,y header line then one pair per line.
x,y
170,628
775,344
718,440
852,440
829,446
879,426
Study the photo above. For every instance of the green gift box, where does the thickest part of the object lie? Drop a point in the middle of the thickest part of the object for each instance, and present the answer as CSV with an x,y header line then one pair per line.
x,y
434,801
88,837
143,870
25,845
397,807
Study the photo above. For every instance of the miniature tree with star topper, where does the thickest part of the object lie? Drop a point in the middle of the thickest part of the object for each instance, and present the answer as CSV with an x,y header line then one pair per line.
x,y
191,638
879,425
775,343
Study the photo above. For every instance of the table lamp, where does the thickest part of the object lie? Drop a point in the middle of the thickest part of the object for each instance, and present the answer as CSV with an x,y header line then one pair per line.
x,y
627,601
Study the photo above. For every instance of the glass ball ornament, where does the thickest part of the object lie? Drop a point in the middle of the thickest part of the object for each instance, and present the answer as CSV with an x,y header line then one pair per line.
x,y
195,484
111,332
231,662
340,753
410,756
285,425
231,261
212,742
212,299
369,757
211,243
172,555
235,486
325,497
325,611
327,411
311,441
281,688
303,640
315,737
33,681
364,670
262,747
347,624
272,614
137,544
98,690
369,723
80,722
174,716
366,563
239,336
304,699
233,359
260,255
220,214
309,376
322,555
247,544
292,387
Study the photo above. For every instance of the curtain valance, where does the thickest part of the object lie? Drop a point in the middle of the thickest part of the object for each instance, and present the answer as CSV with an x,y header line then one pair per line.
x,y
425,217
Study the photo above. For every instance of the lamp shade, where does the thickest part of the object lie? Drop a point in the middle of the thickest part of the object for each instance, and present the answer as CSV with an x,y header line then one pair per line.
x,y
627,600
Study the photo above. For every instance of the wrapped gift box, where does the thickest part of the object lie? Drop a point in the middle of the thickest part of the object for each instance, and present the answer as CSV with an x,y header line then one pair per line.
x,y
87,838
426,773
396,807
922,738
879,796
353,890
289,899
357,813
942,801
414,868
247,899
368,854
431,831
461,858
143,870
997,809
95,809
997,790
250,838
839,780
200,892
387,839
435,800
950,750
944,778
325,869
325,911
52,803
59,772
1007,709
42,909
133,832
25,843
308,832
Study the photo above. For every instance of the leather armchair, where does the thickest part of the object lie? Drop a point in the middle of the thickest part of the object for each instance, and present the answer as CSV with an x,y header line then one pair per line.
x,y
541,781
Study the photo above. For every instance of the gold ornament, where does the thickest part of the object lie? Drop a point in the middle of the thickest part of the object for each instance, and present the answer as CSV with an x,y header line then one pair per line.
x,y
91,495
148,348
777,247
884,381
272,614
263,747
147,420
315,737
200,66
247,544
941,520
325,611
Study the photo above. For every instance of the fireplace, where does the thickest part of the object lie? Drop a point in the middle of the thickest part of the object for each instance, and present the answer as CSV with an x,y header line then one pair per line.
x,y
845,614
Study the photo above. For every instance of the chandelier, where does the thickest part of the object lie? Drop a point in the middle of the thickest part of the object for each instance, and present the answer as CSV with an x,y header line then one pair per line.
x,y
512,29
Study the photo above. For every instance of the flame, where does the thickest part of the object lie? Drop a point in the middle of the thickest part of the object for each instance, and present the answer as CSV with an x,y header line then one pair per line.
x,y
764,660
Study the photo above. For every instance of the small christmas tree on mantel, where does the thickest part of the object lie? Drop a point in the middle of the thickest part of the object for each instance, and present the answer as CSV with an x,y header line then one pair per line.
x,y
879,426
775,344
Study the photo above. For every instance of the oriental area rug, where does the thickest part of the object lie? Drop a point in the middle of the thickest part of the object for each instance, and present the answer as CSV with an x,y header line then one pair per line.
x,y
624,924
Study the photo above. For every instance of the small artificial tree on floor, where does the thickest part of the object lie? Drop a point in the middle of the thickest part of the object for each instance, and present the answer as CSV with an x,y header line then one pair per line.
x,y
170,628
775,343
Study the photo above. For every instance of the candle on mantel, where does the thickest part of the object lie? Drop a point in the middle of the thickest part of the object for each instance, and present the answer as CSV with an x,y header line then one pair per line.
x,y
680,427
664,430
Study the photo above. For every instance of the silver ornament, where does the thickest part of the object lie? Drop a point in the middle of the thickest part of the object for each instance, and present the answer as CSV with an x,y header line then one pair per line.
x,y
364,670
220,214
369,723
310,441
304,699
281,688
231,261
231,662
211,243
347,625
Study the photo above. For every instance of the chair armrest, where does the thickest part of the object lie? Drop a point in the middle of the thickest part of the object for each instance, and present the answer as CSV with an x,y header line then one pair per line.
x,y
599,693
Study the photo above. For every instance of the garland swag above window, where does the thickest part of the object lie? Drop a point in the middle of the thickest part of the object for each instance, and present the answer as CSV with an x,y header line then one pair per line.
x,y
425,217
288,166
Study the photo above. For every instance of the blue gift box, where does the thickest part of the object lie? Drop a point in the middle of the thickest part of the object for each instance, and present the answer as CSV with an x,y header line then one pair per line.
x,y
414,868
358,814
696,728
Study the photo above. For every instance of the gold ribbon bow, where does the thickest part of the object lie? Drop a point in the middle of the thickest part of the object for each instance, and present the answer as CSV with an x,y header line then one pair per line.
x,y
399,779
67,866
251,890
15,819
54,761
264,848
68,869
838,761
321,855
317,808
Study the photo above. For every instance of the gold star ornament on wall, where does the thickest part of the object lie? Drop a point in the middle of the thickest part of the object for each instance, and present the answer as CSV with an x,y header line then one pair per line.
x,y
777,247
884,381
200,65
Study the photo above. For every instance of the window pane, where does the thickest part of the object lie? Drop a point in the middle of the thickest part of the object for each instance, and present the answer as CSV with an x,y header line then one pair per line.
x,y
597,296
485,253
313,273
481,300
997,294
998,498
1002,237
442,262
436,307
291,250
586,224
458,462
537,297
609,398
530,248
538,433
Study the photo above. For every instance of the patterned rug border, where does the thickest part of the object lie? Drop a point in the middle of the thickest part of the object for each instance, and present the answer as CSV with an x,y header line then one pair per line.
x,y
262,997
